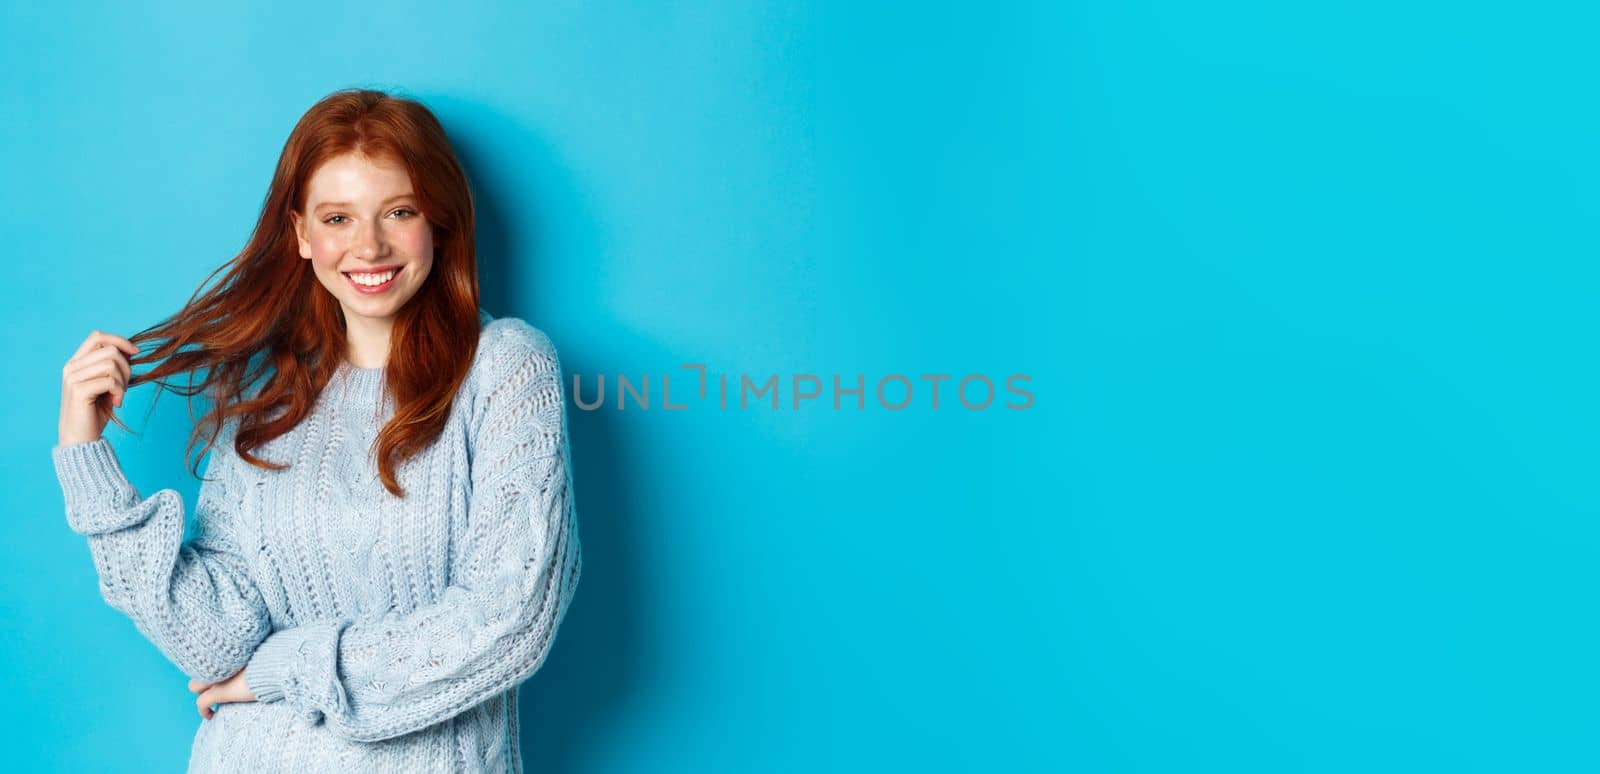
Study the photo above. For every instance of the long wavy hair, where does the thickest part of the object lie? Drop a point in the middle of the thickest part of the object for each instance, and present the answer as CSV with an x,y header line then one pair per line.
x,y
270,323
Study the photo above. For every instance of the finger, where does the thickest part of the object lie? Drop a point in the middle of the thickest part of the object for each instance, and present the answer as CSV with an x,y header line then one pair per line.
x,y
95,366
118,343
120,360
98,337
125,346
195,686
90,390
99,366
203,704
88,370
102,354
89,342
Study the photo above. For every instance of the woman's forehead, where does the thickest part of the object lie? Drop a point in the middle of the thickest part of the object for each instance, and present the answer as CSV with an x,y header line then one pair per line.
x,y
350,178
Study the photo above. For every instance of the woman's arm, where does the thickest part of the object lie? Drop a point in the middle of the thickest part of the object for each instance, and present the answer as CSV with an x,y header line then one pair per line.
x,y
389,675
196,601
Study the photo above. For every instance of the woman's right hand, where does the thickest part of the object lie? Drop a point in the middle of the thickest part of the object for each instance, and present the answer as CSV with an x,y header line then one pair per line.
x,y
93,384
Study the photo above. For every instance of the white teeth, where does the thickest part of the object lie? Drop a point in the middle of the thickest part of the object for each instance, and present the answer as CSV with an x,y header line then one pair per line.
x,y
372,279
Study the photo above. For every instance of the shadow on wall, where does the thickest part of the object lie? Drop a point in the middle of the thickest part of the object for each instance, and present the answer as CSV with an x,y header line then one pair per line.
x,y
564,707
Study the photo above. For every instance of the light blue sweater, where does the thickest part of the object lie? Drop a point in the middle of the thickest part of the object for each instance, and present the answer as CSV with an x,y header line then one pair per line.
x,y
378,633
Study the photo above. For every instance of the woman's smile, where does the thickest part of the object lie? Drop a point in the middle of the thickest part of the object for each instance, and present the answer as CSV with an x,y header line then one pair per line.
x,y
373,283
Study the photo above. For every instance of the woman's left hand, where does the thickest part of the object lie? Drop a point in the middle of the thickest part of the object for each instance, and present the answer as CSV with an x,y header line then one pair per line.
x,y
230,690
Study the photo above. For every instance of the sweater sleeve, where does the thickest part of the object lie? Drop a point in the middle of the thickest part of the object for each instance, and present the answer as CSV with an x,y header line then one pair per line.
x,y
195,601
397,672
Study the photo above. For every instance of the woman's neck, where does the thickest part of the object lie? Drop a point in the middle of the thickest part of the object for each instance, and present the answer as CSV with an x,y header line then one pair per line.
x,y
368,342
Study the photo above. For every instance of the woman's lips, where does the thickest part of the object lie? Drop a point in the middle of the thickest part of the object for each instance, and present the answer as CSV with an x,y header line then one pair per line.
x,y
373,290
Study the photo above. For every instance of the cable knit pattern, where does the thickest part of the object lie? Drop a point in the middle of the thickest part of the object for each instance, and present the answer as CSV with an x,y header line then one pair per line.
x,y
377,633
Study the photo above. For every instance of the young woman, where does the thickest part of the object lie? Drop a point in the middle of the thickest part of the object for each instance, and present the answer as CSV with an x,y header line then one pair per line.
x,y
386,537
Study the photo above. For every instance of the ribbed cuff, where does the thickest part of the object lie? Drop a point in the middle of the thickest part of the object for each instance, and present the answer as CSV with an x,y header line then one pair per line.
x,y
99,496
272,665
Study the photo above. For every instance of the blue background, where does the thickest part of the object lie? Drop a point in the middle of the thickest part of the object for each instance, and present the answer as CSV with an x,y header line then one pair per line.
x,y
1305,292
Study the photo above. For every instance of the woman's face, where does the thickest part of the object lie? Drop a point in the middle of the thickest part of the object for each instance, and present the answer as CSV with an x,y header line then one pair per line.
x,y
366,239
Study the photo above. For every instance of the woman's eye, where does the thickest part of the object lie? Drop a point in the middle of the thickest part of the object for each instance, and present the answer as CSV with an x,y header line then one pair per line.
x,y
403,213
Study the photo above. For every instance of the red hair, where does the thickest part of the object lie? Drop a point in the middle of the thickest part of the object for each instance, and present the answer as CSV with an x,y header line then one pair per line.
x,y
270,316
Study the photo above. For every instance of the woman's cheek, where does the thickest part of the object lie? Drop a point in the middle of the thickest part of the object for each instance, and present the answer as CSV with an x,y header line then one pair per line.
x,y
327,249
417,242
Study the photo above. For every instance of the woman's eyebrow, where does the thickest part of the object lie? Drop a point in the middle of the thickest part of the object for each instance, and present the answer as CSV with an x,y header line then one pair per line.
x,y
347,204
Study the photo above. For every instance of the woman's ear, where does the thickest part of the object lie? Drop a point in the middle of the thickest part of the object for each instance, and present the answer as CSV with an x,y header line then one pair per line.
x,y
300,234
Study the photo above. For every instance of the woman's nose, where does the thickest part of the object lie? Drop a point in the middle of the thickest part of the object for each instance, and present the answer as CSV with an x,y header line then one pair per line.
x,y
368,241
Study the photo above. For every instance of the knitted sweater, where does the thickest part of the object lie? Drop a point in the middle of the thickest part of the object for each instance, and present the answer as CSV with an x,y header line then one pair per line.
x,y
377,633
